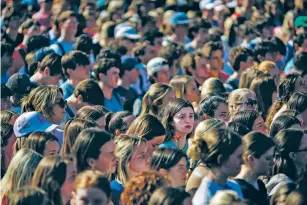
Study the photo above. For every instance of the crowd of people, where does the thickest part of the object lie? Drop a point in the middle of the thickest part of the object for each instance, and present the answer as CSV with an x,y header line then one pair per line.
x,y
158,102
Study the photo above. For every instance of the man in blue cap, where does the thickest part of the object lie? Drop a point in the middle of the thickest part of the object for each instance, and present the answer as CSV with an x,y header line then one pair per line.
x,y
179,23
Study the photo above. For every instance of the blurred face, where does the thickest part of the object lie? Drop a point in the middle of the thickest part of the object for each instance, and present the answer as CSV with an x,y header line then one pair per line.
x,y
177,173
264,164
106,161
71,25
184,121
158,44
168,97
112,77
33,31
192,92
201,68
134,75
150,53
181,29
51,148
14,22
6,103
139,160
80,73
275,73
129,44
101,122
259,125
232,166
163,76
301,155
67,187
216,61
153,144
249,63
58,109
222,113
300,85
89,196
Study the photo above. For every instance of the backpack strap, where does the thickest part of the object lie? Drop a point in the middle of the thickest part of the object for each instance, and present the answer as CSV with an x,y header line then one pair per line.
x,y
61,48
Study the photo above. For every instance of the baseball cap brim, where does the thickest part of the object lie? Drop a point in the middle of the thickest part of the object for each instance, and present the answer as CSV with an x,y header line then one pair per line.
x,y
132,36
183,22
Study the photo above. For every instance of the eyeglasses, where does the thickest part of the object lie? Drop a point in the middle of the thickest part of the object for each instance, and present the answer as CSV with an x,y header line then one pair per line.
x,y
249,103
61,102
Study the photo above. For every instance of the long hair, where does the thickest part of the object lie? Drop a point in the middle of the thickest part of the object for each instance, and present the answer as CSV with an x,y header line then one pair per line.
x,y
37,141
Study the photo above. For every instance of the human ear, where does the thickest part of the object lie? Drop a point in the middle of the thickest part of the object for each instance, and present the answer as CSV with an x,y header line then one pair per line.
x,y
292,156
91,162
46,71
219,159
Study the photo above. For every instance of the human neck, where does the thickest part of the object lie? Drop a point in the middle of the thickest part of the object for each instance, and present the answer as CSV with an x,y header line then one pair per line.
x,y
73,82
107,91
67,37
182,140
178,38
217,176
38,78
248,175
125,83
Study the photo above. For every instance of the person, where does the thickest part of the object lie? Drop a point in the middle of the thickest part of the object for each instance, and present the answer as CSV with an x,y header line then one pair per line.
x,y
49,71
283,122
72,129
132,159
170,196
185,87
212,86
251,119
298,102
120,123
179,25
241,99
178,119
172,163
213,107
75,66
92,113
282,193
68,23
150,128
143,185
94,149
20,85
8,116
87,92
12,21
93,187
29,195
265,51
240,59
271,68
43,16
55,175
6,61
6,93
8,139
226,197
157,96
266,92
19,172
221,151
107,72
158,70
127,36
290,159
130,76
213,52
258,153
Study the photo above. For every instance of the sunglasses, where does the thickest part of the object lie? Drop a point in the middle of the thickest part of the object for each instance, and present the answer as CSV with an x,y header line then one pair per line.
x,y
61,102
249,103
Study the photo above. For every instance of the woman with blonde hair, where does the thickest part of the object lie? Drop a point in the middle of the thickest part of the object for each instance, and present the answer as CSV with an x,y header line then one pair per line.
x,y
212,86
270,67
226,198
19,172
157,96
8,116
131,153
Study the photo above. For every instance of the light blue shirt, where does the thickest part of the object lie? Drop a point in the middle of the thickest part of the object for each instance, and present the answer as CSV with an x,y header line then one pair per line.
x,y
114,104
208,189
171,144
67,46
68,90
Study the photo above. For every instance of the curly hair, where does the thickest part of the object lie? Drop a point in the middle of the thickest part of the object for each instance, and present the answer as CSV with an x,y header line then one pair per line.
x,y
140,188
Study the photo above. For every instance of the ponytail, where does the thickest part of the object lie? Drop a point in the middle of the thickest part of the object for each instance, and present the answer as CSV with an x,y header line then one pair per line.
x,y
272,112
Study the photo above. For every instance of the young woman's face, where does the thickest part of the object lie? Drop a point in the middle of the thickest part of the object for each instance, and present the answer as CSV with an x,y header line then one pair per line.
x,y
259,125
265,162
300,85
177,173
51,148
222,113
67,187
58,109
232,166
153,144
139,160
168,97
106,162
101,122
184,120
192,92
90,196
163,76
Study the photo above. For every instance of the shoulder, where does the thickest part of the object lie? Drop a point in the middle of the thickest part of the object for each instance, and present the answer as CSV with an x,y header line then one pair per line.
x,y
168,144
235,187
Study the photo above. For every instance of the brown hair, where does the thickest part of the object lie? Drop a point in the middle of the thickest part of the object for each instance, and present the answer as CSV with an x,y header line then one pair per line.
x,y
179,84
247,77
89,113
7,115
37,141
190,60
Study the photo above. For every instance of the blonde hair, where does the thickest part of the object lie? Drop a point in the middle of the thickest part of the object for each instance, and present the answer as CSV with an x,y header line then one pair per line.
x,y
210,86
235,97
124,149
266,66
179,84
20,171
225,198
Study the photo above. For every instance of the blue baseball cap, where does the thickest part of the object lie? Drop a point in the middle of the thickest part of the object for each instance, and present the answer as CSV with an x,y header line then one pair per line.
x,y
127,32
30,122
130,63
179,18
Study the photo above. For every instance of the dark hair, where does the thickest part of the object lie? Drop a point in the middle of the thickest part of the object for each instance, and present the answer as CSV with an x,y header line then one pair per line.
x,y
263,48
168,112
53,62
168,196
84,43
298,102
117,122
287,140
87,145
166,158
300,62
238,128
209,105
73,59
151,35
72,129
246,117
5,91
6,48
237,55
90,92
299,39
89,113
264,87
146,126
256,144
190,60
282,122
104,64
211,47
36,42
37,141
7,115
203,24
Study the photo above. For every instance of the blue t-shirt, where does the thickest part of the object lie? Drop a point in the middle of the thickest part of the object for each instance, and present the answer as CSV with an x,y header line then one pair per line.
x,y
5,78
114,104
208,189
117,189
16,109
171,144
68,90
67,46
